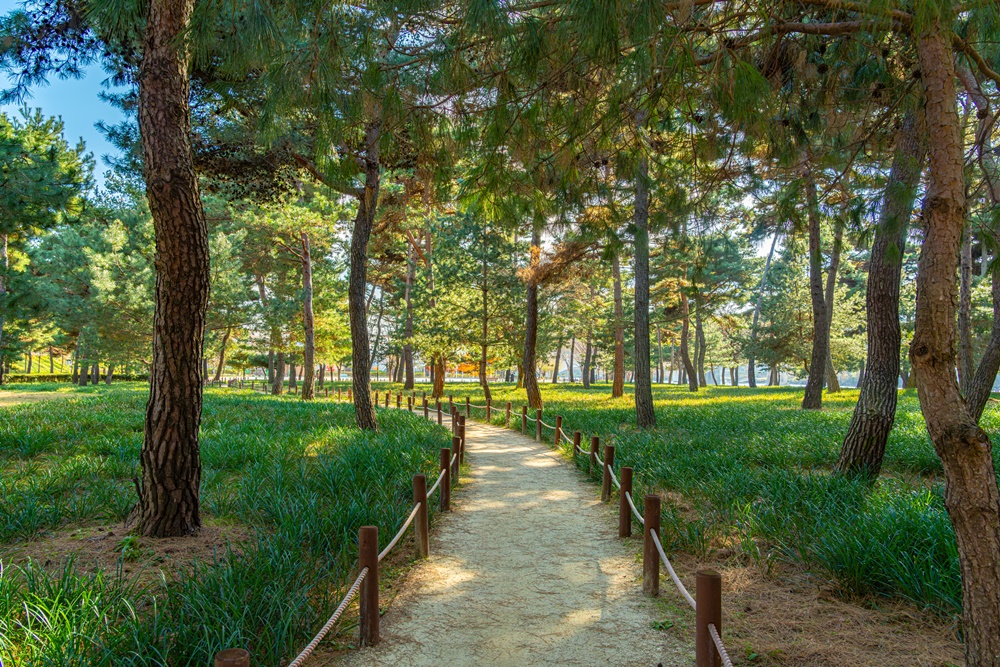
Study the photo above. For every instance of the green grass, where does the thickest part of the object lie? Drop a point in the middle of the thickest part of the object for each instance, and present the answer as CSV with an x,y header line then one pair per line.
x,y
755,473
300,476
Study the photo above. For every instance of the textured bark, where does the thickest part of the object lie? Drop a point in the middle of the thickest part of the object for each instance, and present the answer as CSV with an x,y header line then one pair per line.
x,y
4,267
278,382
84,368
978,393
813,397
659,357
587,359
971,495
364,411
292,376
222,354
572,349
555,367
875,411
689,372
530,375
832,382
966,360
110,375
308,322
76,362
618,384
171,463
95,374
439,373
644,414
751,362
699,341
408,328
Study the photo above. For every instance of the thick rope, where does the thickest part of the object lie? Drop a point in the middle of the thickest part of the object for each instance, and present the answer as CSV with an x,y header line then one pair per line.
x,y
670,569
614,480
409,520
307,651
628,497
436,484
726,662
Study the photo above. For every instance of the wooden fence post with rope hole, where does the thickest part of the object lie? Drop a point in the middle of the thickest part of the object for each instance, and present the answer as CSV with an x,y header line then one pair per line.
x,y
624,511
399,400
456,453
421,526
576,443
445,491
538,425
650,556
233,657
708,611
426,411
468,407
524,420
609,463
440,414
461,435
489,410
558,436
507,423
595,442
368,557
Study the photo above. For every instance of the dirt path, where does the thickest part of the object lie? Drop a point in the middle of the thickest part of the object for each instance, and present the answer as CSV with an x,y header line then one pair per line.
x,y
527,570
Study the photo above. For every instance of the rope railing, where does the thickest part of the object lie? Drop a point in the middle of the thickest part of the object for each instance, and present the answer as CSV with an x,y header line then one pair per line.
x,y
635,512
308,650
670,570
399,534
717,640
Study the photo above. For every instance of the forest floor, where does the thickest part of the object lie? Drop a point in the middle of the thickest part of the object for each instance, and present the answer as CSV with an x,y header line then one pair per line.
x,y
526,570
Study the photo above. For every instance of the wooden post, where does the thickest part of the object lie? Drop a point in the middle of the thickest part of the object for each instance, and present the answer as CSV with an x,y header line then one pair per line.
x,y
439,412
524,420
328,394
489,410
368,557
538,425
399,400
409,403
461,435
420,525
233,657
558,436
468,407
456,448
650,556
350,395
609,463
624,511
445,490
426,412
708,609
576,443
338,394
507,423
595,443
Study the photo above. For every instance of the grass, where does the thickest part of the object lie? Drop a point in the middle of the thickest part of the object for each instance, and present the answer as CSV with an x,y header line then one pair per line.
x,y
299,477
747,470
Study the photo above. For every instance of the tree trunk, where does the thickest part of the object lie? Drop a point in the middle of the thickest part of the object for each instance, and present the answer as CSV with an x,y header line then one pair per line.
x,y
292,376
644,412
322,376
689,372
76,362
84,378
979,390
171,463
751,362
411,268
278,385
832,382
813,397
673,364
875,411
520,375
439,373
95,374
966,360
110,376
587,360
4,267
971,495
659,357
699,341
222,354
531,327
364,411
308,322
572,349
618,386
555,368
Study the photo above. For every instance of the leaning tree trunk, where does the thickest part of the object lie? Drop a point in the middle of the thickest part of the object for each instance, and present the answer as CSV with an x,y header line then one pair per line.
x,y
171,463
689,372
832,382
875,411
644,413
364,411
222,354
971,495
981,385
531,328
308,322
813,398
618,385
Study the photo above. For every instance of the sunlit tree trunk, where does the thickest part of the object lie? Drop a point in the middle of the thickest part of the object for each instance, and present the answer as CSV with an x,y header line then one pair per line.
x,y
966,360
751,362
222,353
813,397
308,322
587,360
689,371
555,367
572,349
699,338
832,382
408,329
531,327
618,385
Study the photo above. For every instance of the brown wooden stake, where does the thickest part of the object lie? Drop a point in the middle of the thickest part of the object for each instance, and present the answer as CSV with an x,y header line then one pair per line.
x,y
233,657
328,393
445,489
420,524
538,425
461,436
624,511
456,448
650,556
387,395
368,557
507,423
350,395
489,410
468,407
524,420
409,403
576,443
595,443
708,609
426,411
399,400
558,437
609,466
338,394
440,413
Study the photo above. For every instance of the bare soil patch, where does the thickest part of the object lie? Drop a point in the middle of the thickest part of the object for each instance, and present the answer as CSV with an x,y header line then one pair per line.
x,y
8,398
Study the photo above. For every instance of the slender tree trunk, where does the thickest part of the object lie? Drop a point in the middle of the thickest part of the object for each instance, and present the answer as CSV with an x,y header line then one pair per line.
x,y
95,374
659,357
971,495
981,385
644,412
572,349
292,375
76,361
308,322
364,411
278,385
966,360
222,354
875,411
84,366
110,376
751,362
4,267
411,268
813,397
171,464
689,371
52,362
531,326
673,364
832,382
555,368
587,360
699,337
322,376
439,373
618,387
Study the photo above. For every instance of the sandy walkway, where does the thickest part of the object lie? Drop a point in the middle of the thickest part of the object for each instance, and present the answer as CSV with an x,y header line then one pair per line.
x,y
527,570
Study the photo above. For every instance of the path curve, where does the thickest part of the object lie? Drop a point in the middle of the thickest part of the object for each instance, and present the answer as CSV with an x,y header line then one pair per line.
x,y
526,570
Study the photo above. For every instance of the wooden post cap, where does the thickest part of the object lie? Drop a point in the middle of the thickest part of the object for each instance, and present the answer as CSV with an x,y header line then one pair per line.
x,y
233,657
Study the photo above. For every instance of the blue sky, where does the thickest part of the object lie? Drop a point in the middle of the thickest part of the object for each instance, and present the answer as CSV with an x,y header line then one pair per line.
x,y
77,102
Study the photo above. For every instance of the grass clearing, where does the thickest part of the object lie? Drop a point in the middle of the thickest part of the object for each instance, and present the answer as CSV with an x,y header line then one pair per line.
x,y
285,487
